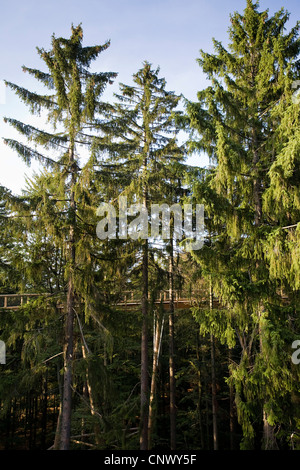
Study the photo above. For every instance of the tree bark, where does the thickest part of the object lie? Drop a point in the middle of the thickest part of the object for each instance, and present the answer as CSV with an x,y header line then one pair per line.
x,y
144,353
214,394
199,404
213,380
89,393
157,331
171,352
56,443
67,383
269,439
69,321
45,410
231,411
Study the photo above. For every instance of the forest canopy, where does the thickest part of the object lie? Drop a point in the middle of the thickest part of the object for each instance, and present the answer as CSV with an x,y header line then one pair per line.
x,y
121,342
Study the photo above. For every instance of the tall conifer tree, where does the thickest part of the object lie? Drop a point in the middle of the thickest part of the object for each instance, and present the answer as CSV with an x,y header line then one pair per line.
x,y
144,154
236,120
72,105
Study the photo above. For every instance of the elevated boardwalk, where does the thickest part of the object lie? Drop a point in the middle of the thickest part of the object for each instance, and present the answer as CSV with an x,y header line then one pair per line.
x,y
129,300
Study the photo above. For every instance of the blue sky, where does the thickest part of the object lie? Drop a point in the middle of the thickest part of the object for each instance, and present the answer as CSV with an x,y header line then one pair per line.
x,y
167,33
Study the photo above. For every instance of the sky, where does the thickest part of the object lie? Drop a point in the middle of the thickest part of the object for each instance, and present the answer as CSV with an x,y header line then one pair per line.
x,y
166,33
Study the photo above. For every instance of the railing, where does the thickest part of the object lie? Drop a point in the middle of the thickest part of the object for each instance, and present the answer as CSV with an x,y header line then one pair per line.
x,y
14,301
131,296
129,299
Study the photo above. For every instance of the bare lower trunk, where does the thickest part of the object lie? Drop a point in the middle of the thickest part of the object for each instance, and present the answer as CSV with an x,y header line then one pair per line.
x,y
67,383
144,354
214,395
157,330
213,381
69,320
57,432
269,439
199,404
171,353
91,399
56,443
231,411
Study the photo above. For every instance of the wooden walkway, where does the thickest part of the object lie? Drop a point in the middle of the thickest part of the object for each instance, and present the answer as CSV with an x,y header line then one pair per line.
x,y
128,301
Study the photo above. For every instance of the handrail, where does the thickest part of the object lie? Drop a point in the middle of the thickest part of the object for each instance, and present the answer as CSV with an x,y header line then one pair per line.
x,y
5,298
128,299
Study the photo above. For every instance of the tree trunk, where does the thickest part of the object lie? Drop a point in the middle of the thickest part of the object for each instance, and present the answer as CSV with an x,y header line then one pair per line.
x,y
89,394
157,331
57,432
69,321
199,404
67,383
56,443
171,352
144,353
45,411
213,380
269,440
231,411
145,289
214,394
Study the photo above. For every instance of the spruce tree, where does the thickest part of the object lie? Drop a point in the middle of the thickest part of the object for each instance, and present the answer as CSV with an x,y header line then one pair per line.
x,y
144,152
235,122
72,106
